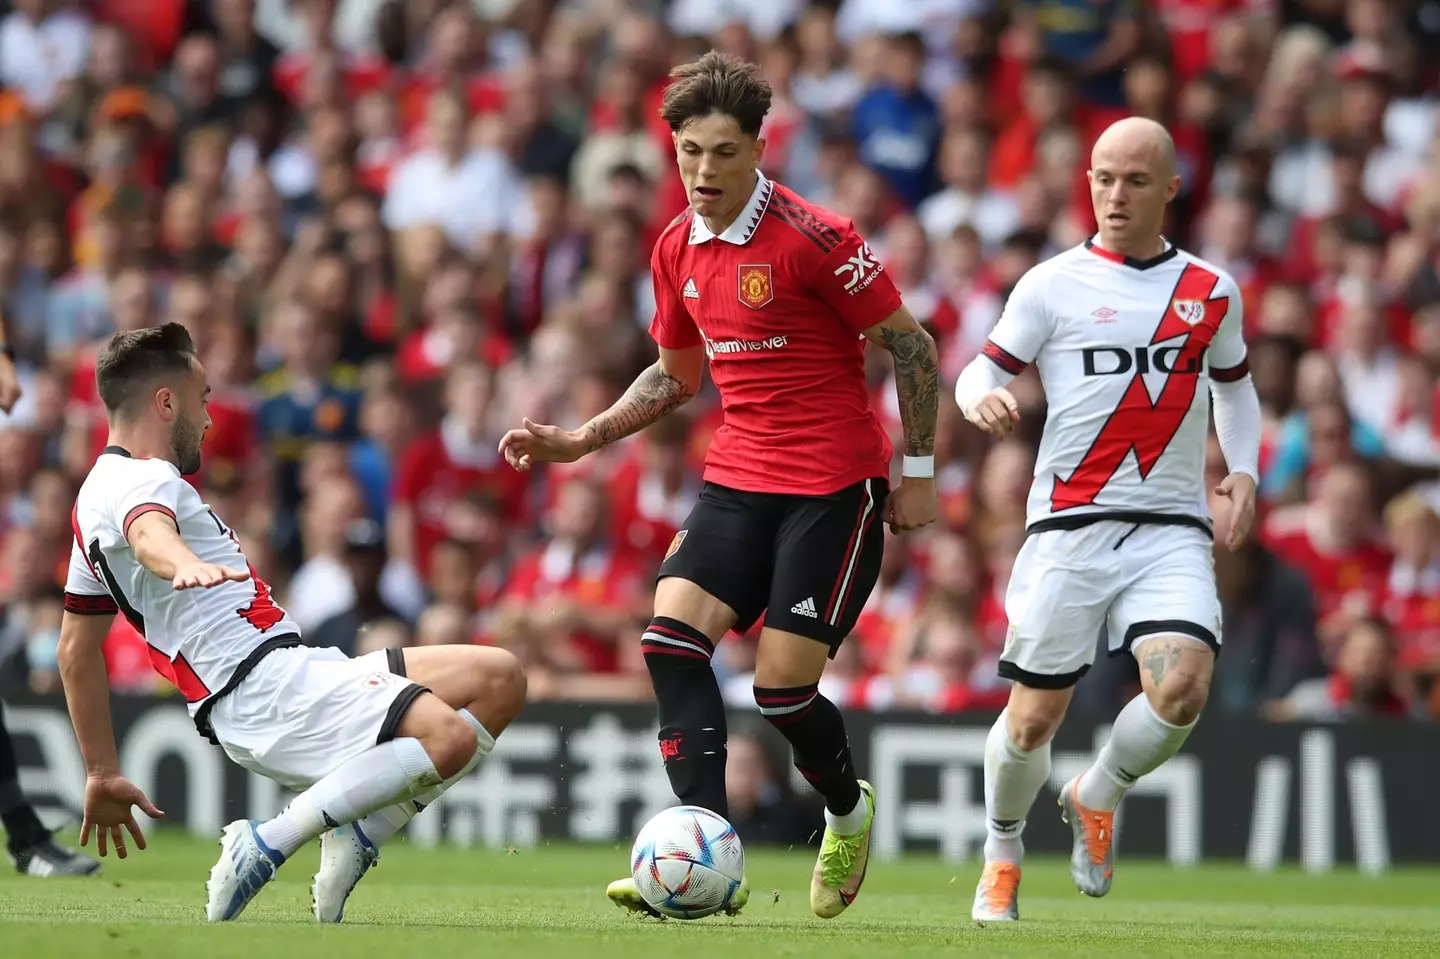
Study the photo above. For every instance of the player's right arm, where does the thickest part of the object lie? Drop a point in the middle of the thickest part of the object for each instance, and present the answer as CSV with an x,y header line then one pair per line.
x,y
666,385
1014,343
142,513
159,548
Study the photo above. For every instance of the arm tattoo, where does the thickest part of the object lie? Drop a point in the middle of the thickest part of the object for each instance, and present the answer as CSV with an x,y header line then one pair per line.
x,y
1159,660
650,398
917,380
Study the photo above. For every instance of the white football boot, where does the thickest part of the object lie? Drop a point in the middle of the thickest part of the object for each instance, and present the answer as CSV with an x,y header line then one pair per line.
x,y
246,865
345,856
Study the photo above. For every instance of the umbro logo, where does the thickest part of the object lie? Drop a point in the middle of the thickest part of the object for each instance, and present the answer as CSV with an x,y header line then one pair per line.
x,y
1105,314
806,607
691,293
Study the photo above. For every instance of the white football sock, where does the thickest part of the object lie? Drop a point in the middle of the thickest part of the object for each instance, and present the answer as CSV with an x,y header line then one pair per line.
x,y
853,821
384,823
1013,778
1139,743
399,769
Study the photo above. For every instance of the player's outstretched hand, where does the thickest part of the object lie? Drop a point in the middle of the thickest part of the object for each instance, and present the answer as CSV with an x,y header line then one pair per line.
x,y
109,805
535,443
1239,489
915,503
996,412
205,575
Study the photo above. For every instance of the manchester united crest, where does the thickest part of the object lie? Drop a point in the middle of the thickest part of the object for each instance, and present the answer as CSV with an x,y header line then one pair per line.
x,y
675,543
756,289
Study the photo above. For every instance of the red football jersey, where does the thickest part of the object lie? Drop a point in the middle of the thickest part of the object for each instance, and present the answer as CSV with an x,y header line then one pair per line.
x,y
429,481
780,300
1360,574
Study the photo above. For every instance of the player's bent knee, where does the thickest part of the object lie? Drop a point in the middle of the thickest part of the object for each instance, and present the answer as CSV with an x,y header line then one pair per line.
x,y
449,741
453,747
1033,730
1175,672
502,687
1180,699
1033,715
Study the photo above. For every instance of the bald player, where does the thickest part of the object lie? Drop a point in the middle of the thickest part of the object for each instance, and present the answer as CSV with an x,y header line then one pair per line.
x,y
1132,337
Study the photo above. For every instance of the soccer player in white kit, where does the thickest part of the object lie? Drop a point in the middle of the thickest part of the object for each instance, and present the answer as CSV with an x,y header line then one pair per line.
x,y
1132,337
371,741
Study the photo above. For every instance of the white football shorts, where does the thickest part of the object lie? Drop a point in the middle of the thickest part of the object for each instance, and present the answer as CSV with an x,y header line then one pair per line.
x,y
1134,581
303,711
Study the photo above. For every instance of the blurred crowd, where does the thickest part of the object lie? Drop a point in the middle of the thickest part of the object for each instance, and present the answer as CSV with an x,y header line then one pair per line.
x,y
395,227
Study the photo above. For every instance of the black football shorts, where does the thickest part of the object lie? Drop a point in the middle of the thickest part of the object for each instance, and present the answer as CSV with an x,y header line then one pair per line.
x,y
807,562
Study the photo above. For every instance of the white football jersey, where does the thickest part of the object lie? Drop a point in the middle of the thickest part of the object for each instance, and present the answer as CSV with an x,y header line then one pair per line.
x,y
197,637
1126,351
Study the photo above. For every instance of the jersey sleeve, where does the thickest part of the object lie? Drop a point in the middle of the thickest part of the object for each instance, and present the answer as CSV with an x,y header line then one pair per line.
x,y
673,328
1228,359
1024,325
149,487
84,593
854,284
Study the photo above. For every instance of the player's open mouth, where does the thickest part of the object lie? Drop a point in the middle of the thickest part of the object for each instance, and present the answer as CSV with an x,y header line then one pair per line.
x,y
1117,218
708,192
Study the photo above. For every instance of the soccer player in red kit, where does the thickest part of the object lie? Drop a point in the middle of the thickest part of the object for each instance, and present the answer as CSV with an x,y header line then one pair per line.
x,y
1132,337
782,297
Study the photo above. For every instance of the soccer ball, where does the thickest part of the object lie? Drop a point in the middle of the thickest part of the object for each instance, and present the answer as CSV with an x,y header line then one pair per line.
x,y
687,862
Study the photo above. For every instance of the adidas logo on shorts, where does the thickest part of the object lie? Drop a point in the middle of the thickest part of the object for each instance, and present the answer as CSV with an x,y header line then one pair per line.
x,y
806,608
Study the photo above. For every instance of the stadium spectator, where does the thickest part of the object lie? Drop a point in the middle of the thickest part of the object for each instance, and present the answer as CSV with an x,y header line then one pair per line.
x,y
1365,683
364,562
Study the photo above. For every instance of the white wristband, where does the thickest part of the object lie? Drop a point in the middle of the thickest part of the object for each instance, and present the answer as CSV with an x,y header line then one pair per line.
x,y
920,467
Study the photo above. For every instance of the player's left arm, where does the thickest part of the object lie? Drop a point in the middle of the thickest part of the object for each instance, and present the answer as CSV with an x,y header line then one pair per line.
x,y
917,377
109,797
853,282
1237,418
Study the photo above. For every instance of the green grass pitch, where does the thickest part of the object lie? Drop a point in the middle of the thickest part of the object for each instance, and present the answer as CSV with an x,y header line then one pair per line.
x,y
549,902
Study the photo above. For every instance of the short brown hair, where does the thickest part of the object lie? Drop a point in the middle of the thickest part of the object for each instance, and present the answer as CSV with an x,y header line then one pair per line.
x,y
134,359
717,83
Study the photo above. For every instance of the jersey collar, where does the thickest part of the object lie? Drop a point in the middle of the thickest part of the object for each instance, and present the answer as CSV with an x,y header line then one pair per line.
x,y
117,451
1130,261
745,225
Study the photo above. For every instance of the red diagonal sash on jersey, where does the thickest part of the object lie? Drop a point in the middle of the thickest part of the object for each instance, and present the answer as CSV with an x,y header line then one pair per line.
x,y
262,613
1137,423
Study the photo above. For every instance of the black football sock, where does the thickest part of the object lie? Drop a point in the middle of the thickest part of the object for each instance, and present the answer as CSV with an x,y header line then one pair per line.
x,y
692,713
816,732
16,813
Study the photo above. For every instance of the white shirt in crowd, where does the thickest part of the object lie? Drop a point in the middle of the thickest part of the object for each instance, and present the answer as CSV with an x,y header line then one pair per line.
x,y
480,196
37,58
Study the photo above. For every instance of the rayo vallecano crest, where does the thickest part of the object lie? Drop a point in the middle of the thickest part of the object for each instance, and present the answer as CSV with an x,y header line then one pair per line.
x,y
1191,311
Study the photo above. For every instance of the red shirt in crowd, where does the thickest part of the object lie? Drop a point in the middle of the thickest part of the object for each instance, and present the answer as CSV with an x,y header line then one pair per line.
x,y
1412,608
780,300
484,93
599,579
1334,577
426,353
643,516
1188,24
429,480
359,74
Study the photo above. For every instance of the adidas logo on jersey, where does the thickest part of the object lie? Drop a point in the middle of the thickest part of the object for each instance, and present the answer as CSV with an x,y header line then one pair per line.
x,y
806,608
691,293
